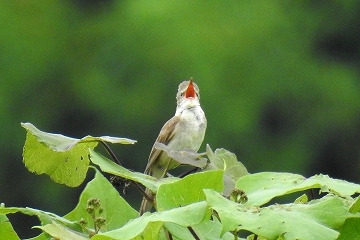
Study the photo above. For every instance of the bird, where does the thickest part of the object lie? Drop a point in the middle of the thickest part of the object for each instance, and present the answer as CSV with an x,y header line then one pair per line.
x,y
184,131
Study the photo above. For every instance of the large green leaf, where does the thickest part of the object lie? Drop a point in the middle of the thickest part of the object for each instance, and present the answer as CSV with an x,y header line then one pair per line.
x,y
315,220
116,210
6,229
64,159
189,215
260,188
188,190
109,166
350,229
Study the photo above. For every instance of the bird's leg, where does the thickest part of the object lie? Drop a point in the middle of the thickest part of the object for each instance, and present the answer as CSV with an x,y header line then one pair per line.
x,y
166,169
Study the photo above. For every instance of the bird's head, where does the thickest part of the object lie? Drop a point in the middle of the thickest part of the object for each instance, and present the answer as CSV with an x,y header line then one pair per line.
x,y
188,93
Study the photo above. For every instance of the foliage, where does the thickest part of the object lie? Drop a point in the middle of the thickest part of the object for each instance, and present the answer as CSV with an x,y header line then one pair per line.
x,y
193,207
64,159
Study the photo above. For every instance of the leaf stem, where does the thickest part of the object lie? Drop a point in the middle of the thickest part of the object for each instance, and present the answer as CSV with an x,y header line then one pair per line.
x,y
193,233
113,156
110,152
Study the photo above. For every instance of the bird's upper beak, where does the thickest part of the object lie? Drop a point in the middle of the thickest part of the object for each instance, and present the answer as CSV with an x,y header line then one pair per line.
x,y
190,91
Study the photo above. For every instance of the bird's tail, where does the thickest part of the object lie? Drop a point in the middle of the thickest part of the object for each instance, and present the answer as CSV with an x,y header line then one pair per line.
x,y
146,205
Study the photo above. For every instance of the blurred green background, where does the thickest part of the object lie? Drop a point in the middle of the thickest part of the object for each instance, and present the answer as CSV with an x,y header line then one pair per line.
x,y
279,83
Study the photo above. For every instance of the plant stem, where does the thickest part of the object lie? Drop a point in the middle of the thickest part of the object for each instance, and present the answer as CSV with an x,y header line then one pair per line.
x,y
110,152
193,233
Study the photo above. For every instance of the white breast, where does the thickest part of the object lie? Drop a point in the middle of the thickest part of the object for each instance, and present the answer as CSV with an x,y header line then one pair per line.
x,y
190,131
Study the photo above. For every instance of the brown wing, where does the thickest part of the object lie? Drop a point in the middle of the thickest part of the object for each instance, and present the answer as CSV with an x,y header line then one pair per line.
x,y
166,133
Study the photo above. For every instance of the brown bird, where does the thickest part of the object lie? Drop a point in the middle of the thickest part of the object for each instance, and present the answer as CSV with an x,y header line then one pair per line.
x,y
184,131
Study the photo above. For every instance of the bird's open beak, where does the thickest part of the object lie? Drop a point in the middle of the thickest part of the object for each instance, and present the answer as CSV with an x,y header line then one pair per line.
x,y
190,91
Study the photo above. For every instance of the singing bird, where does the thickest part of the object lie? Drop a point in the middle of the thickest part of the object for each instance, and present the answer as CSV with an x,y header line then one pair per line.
x,y
184,131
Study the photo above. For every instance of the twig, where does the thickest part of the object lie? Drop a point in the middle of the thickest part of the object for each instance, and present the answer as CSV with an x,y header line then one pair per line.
x,y
113,156
110,152
193,233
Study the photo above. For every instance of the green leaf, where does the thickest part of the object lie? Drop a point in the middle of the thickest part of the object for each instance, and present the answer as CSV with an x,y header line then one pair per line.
x,y
186,216
350,229
188,190
260,188
59,231
42,236
314,220
109,166
44,217
153,230
224,160
183,157
231,175
64,159
211,229
67,168
355,207
207,229
116,210
177,231
61,143
6,229
302,199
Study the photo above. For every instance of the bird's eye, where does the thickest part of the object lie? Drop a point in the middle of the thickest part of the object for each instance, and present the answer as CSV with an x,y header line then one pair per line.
x,y
197,94
182,94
